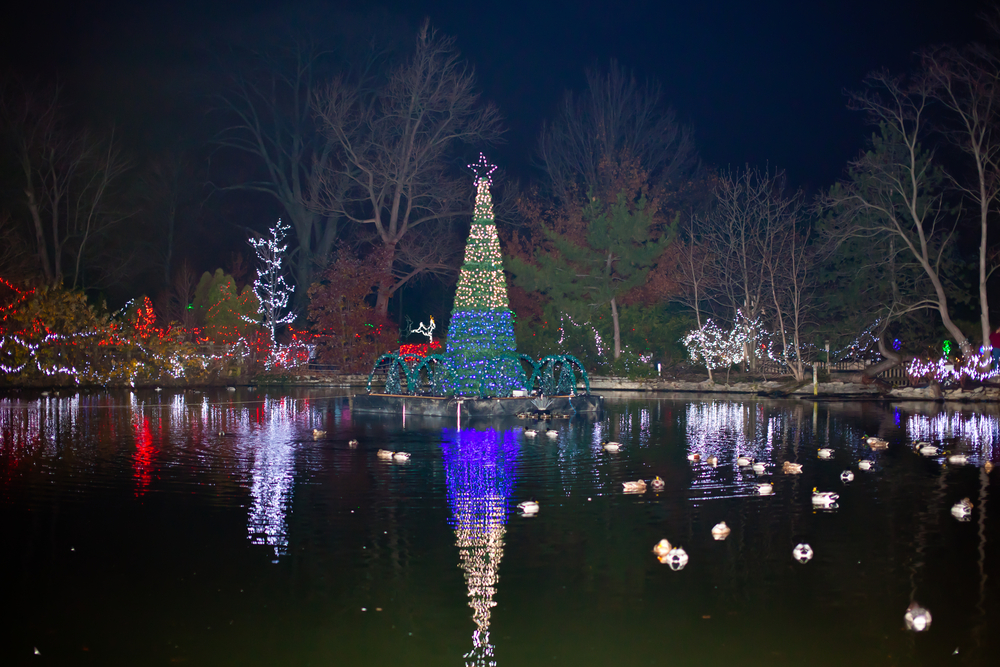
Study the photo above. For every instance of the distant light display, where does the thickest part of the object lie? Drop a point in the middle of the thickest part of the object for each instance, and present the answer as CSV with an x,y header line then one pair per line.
x,y
480,471
714,347
977,367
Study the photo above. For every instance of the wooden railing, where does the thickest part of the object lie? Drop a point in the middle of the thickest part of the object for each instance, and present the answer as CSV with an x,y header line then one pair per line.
x,y
895,376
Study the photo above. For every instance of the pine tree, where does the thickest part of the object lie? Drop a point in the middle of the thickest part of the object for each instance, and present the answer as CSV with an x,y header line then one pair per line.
x,y
620,249
482,323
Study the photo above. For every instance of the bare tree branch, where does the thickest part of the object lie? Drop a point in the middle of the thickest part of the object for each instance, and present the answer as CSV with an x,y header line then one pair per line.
x,y
394,168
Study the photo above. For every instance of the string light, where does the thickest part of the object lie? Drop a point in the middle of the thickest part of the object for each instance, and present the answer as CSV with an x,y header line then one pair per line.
x,y
481,332
714,347
128,347
270,287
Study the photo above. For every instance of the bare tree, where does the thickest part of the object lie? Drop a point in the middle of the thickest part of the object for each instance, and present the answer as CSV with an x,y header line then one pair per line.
x,y
741,231
172,189
615,116
270,104
894,198
967,82
695,269
69,181
393,171
788,281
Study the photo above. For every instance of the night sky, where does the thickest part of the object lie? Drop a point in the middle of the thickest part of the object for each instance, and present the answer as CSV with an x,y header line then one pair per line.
x,y
761,82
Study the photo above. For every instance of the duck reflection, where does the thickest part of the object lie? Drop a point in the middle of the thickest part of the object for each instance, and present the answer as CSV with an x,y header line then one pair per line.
x,y
480,471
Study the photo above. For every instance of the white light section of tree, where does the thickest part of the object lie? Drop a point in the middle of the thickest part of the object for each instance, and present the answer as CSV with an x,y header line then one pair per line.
x,y
271,288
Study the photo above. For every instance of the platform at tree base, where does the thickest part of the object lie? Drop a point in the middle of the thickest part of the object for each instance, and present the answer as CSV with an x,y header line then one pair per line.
x,y
446,406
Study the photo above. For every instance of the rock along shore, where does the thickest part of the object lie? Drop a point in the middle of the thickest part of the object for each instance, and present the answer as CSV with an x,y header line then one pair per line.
x,y
775,388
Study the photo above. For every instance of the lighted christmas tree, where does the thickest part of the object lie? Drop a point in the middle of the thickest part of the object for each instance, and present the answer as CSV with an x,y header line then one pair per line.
x,y
482,324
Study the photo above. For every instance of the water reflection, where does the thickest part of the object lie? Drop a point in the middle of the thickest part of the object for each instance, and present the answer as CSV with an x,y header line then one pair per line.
x,y
974,433
480,472
272,474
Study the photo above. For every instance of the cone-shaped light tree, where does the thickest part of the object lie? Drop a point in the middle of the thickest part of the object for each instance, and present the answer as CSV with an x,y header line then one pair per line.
x,y
482,323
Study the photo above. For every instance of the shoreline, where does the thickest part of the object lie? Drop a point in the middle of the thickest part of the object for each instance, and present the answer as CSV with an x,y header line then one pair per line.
x,y
769,388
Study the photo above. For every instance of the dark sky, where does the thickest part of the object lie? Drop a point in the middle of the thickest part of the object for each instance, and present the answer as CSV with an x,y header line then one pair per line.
x,y
760,81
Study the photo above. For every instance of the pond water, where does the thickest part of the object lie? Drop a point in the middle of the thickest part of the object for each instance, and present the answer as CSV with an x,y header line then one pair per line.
x,y
213,528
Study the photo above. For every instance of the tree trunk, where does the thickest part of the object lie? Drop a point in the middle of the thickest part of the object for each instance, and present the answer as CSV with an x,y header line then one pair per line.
x,y
385,288
43,253
891,360
618,335
984,304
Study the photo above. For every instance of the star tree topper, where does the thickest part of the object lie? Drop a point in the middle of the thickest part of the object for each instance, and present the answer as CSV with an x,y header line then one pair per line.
x,y
483,170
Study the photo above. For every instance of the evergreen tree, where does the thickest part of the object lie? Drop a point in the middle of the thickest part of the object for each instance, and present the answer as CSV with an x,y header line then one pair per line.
x,y
619,251
482,323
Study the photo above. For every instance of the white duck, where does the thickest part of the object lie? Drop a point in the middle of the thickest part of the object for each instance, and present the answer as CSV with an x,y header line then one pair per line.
x,y
958,459
865,464
847,476
825,453
552,433
530,432
765,488
802,553
657,483
400,456
528,507
353,444
917,618
758,467
743,461
676,559
612,446
638,486
962,510
720,531
694,458
824,498
928,450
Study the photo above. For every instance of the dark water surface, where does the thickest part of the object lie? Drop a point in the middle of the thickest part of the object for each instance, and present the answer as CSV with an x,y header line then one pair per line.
x,y
211,528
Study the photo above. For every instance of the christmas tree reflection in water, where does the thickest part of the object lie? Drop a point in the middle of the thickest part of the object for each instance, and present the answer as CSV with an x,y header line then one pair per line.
x,y
479,468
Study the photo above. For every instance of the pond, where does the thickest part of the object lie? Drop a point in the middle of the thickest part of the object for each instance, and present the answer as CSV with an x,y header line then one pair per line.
x,y
215,528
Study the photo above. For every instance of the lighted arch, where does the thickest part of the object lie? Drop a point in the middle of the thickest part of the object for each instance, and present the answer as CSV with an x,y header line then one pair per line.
x,y
566,361
395,362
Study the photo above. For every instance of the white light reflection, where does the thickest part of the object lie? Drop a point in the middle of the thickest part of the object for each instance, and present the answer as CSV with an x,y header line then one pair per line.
x,y
726,430
273,452
975,432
